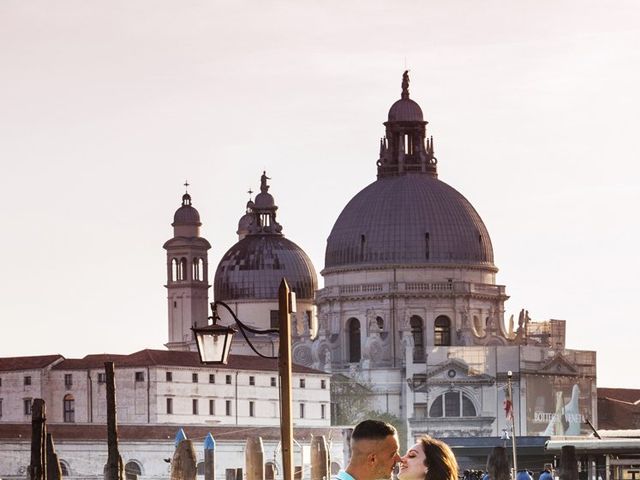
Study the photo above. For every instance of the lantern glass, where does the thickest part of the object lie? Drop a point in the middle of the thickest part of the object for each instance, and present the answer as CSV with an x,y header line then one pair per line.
x,y
214,343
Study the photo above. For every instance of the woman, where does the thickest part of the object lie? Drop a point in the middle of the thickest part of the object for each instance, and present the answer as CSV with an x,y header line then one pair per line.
x,y
498,464
429,459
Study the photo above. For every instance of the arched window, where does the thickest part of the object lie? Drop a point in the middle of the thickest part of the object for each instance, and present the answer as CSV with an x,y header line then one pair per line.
x,y
452,404
182,271
132,470
418,338
69,408
200,468
442,331
175,269
64,468
197,269
354,340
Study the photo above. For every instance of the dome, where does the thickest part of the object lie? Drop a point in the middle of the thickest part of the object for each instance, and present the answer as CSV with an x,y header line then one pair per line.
x,y
253,269
405,110
186,214
264,200
410,219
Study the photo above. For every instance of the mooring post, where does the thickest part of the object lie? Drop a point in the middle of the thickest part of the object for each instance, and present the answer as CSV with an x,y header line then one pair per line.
x,y
254,458
209,457
54,472
319,459
37,468
114,469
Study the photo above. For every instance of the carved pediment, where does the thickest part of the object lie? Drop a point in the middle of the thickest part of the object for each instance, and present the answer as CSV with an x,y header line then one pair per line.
x,y
558,365
452,371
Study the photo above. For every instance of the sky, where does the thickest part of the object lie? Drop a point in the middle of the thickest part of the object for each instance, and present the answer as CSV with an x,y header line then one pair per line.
x,y
107,107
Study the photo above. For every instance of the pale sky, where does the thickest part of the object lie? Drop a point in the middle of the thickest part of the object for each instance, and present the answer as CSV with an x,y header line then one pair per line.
x,y
106,107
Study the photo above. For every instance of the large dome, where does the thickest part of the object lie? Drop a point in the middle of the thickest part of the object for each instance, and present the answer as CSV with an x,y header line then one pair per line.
x,y
411,219
253,269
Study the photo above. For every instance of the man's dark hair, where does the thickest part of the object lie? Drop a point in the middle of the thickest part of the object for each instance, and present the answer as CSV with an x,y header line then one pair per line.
x,y
372,430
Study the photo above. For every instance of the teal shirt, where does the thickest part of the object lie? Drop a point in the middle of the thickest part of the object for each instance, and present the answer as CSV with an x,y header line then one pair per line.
x,y
342,475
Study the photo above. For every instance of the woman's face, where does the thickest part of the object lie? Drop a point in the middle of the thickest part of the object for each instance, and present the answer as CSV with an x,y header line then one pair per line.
x,y
412,465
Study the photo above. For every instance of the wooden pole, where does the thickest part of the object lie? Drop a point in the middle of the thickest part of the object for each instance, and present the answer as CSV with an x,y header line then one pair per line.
x,y
54,472
319,459
254,459
184,463
284,367
114,468
37,468
209,458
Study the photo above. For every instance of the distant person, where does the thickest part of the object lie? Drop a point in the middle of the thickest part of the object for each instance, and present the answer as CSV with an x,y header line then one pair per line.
x,y
545,475
374,452
429,459
498,465
524,475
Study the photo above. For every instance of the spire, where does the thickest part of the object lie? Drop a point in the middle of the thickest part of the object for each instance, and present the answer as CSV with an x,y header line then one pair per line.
x,y
405,84
405,147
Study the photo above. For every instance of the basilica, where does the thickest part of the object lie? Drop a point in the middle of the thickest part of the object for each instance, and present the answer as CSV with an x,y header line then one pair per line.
x,y
409,314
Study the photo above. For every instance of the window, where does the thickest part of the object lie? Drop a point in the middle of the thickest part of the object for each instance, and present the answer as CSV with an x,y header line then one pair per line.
x,y
64,468
323,384
252,409
27,406
169,406
168,376
69,409
194,406
0,381
0,408
197,269
273,381
302,410
227,379
27,380
252,380
68,380
139,376
102,378
418,338
452,404
302,383
442,332
212,378
194,377
212,407
227,407
323,413
354,340
132,470
274,319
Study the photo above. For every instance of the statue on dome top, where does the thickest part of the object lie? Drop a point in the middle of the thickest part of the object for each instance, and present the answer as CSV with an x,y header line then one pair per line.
x,y
405,84
264,188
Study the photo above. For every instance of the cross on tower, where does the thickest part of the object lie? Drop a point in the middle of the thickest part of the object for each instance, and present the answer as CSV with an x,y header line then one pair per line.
x,y
250,192
186,185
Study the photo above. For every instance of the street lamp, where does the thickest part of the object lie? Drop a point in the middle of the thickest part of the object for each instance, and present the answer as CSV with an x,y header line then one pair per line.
x,y
214,344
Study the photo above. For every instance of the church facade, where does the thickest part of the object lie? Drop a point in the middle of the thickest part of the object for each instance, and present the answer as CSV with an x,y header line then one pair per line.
x,y
410,308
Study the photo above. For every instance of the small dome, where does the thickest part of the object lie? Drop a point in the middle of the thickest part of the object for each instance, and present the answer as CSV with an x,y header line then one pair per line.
x,y
254,267
412,219
244,223
264,200
405,110
186,214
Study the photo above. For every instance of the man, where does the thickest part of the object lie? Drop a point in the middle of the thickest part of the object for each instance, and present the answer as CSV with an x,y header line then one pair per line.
x,y
374,452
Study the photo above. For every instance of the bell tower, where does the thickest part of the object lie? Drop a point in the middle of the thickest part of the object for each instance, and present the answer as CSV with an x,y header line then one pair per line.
x,y
187,277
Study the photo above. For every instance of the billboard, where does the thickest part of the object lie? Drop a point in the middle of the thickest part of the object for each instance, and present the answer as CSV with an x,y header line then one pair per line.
x,y
558,404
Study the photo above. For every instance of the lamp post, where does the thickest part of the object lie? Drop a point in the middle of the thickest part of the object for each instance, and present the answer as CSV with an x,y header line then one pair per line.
x,y
214,345
513,424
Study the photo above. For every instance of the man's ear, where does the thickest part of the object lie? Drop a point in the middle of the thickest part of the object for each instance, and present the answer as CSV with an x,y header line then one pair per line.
x,y
371,459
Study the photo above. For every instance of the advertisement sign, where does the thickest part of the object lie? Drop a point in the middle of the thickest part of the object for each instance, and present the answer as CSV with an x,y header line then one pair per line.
x,y
558,404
